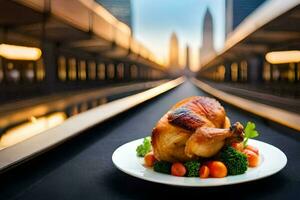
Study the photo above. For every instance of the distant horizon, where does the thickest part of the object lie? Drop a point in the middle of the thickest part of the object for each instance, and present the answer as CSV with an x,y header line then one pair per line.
x,y
153,23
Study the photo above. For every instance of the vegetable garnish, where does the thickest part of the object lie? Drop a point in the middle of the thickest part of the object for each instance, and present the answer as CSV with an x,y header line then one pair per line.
x,y
178,169
250,132
144,148
217,169
204,171
252,148
149,159
253,158
235,161
162,167
192,168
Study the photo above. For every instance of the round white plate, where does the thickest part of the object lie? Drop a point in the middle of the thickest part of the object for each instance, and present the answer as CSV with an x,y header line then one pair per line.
x,y
272,160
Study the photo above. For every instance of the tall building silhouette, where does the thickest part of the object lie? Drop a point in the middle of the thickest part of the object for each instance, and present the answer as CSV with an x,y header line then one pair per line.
x,y
121,9
174,51
187,69
187,57
207,47
237,11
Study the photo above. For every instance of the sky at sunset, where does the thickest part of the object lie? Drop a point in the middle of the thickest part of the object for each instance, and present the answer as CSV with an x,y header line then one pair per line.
x,y
155,20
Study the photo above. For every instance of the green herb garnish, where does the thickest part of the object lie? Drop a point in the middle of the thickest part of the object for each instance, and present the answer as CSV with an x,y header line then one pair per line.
x,y
162,167
192,168
144,148
250,132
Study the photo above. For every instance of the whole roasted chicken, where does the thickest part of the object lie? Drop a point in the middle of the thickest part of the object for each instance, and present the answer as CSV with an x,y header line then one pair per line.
x,y
194,127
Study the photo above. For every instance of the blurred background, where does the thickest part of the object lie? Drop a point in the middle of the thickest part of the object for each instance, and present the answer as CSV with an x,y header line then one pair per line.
x,y
59,59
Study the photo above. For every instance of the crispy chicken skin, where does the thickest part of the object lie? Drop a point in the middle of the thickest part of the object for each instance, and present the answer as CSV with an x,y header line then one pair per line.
x,y
194,127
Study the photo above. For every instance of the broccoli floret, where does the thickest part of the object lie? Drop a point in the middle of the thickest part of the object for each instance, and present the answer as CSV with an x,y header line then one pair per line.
x,y
162,167
192,168
235,161
144,148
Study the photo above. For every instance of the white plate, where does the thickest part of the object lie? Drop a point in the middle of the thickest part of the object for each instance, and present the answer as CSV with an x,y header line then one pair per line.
x,y
272,160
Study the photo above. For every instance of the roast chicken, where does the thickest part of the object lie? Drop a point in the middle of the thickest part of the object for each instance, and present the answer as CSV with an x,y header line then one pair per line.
x,y
194,127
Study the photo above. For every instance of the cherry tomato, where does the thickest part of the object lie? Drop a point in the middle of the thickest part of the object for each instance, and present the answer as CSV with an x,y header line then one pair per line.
x,y
239,146
217,169
204,171
149,159
253,158
178,169
252,148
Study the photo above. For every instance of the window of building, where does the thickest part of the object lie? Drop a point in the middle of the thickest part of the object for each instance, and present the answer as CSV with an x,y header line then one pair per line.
x,y
40,70
215,75
133,71
101,71
13,74
298,71
291,72
267,71
244,70
234,71
1,71
150,72
120,70
72,71
62,68
142,72
221,73
275,73
82,70
111,71
92,70
28,73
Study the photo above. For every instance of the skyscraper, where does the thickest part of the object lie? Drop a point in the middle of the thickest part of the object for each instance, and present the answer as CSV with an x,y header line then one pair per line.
x,y
187,57
187,69
237,11
121,9
174,51
207,47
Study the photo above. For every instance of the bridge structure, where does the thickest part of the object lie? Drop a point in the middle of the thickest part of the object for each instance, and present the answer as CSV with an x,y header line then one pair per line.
x,y
82,46
259,52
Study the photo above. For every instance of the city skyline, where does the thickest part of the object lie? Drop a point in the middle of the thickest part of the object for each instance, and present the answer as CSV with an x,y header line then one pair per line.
x,y
154,22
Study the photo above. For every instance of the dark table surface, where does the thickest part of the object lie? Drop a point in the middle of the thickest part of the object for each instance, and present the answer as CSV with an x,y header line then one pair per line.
x,y
82,168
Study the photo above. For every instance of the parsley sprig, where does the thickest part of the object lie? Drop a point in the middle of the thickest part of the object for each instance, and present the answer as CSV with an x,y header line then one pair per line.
x,y
144,148
250,132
